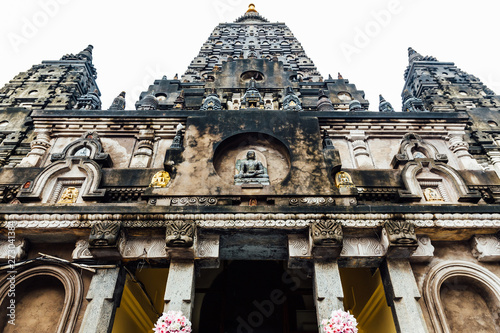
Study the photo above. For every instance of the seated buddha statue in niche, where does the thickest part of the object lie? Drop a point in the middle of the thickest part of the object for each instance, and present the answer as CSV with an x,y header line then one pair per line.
x,y
69,195
250,171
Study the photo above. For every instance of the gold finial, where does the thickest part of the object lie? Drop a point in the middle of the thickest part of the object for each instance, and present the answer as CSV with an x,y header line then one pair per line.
x,y
251,8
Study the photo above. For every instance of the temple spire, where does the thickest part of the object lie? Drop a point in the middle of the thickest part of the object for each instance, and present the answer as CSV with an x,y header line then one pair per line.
x,y
251,15
384,106
413,55
87,53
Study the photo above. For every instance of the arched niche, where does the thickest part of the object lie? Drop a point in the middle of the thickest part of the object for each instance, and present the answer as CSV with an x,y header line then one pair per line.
x,y
269,150
81,173
444,279
420,174
413,147
58,276
87,146
78,165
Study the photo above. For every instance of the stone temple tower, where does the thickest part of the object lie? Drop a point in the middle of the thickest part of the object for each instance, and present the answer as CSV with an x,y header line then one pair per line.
x,y
251,193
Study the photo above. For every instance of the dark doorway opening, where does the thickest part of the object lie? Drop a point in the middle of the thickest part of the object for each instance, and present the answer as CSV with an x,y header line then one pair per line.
x,y
254,297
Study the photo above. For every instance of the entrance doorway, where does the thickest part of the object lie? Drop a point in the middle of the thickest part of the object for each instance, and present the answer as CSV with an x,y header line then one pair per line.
x,y
254,297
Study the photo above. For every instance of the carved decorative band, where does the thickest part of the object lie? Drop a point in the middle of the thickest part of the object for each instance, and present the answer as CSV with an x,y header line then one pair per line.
x,y
242,220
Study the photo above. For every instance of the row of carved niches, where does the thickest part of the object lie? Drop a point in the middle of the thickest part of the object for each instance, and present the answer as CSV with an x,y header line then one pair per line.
x,y
231,159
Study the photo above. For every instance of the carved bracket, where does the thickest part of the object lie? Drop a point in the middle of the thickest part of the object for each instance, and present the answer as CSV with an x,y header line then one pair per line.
x,y
179,239
399,239
105,240
326,239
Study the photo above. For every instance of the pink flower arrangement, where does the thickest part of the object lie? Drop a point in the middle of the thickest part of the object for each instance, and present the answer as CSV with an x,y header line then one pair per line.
x,y
339,322
172,322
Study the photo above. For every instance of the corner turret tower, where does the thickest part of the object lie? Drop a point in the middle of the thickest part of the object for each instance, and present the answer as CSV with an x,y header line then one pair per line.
x,y
443,87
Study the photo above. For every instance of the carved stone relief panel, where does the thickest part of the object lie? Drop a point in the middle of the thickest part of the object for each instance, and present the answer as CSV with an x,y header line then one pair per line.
x,y
486,248
81,250
424,251
362,247
15,250
144,248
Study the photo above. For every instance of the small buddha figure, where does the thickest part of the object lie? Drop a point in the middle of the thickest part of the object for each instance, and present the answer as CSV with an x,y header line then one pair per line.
x,y
160,179
250,171
343,179
431,194
69,195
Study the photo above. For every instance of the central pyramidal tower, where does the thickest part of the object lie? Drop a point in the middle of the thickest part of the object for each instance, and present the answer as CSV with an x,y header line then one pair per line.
x,y
253,49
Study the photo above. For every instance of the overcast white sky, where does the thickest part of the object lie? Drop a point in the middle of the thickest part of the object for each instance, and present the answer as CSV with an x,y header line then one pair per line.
x,y
136,42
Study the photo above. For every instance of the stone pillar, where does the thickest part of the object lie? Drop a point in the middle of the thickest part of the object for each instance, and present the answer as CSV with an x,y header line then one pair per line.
x,y
328,293
461,149
179,294
144,152
38,148
402,295
104,296
360,148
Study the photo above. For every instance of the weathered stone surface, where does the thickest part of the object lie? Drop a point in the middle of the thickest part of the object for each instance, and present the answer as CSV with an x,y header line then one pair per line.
x,y
299,250
328,293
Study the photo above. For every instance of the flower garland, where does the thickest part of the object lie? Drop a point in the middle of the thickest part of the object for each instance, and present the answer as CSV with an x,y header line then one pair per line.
x,y
172,322
339,322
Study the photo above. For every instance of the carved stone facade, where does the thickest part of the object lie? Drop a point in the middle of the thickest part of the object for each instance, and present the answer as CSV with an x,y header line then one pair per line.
x,y
250,179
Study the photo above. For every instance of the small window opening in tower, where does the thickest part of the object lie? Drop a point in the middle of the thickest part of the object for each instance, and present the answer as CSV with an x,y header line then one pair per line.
x,y
344,96
161,97
256,75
